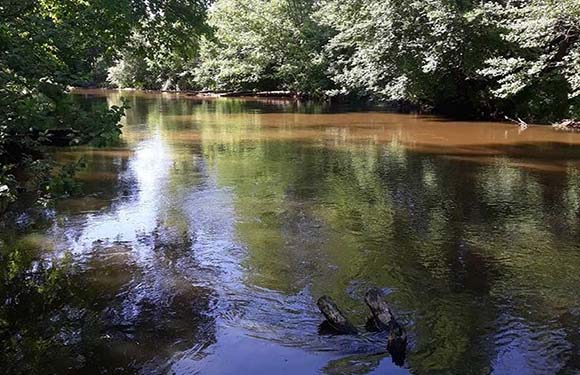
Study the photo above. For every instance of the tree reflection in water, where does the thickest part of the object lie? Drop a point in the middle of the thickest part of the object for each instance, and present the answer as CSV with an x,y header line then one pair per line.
x,y
223,220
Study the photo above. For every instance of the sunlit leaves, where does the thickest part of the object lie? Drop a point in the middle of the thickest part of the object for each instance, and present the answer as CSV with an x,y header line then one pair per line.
x,y
161,50
419,51
544,48
264,44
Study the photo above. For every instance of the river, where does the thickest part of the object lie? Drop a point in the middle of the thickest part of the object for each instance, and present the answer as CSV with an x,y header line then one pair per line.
x,y
203,242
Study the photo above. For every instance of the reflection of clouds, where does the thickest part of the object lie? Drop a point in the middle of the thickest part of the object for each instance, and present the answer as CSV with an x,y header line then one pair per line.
x,y
528,348
149,169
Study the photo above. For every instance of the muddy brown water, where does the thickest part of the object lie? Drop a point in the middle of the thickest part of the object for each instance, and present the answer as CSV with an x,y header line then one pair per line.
x,y
203,242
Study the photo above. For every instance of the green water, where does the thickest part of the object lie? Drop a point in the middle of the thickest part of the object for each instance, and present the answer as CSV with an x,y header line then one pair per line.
x,y
202,244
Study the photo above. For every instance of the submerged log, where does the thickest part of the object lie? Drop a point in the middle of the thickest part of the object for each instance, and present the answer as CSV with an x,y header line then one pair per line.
x,y
334,317
236,94
277,94
397,343
383,319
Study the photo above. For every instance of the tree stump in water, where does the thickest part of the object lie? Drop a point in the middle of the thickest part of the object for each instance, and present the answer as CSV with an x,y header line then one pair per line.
x,y
334,317
383,319
381,312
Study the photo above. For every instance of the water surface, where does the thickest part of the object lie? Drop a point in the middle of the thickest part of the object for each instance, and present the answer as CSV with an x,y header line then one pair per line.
x,y
202,244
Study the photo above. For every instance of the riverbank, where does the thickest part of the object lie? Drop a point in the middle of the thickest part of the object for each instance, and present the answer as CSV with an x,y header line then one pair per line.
x,y
404,107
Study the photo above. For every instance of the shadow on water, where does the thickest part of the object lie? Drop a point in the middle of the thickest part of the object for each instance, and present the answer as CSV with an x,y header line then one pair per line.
x,y
201,246
104,312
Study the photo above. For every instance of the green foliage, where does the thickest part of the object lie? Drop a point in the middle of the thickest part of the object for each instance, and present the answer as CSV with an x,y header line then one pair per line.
x,y
263,44
7,187
460,57
48,45
142,67
423,52
162,49
539,72
63,40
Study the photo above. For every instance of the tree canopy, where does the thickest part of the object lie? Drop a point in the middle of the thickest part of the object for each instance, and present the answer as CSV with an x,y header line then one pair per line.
x,y
49,45
457,57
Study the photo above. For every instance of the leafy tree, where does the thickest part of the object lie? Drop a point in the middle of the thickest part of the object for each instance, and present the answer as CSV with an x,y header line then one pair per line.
x,y
457,57
423,52
539,72
47,45
162,49
264,44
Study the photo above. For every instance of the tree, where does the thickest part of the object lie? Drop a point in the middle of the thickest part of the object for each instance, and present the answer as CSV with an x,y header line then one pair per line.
x,y
423,52
163,46
539,71
264,44
47,45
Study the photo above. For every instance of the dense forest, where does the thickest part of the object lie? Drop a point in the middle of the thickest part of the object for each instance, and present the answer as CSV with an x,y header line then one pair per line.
x,y
457,57
461,58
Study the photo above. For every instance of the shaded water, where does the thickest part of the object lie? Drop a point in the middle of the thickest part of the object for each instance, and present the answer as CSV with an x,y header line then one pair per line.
x,y
202,245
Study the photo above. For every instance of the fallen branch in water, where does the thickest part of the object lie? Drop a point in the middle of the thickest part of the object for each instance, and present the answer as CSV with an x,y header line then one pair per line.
x,y
382,319
567,125
519,122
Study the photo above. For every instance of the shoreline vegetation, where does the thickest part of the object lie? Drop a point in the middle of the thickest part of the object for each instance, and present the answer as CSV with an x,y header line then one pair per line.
x,y
563,125
459,59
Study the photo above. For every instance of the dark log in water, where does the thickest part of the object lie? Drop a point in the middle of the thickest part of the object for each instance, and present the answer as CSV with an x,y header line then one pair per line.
x,y
384,319
335,318
397,343
238,94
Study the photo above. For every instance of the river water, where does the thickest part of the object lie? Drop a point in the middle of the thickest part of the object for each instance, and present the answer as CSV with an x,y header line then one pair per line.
x,y
202,244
